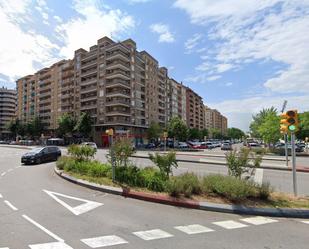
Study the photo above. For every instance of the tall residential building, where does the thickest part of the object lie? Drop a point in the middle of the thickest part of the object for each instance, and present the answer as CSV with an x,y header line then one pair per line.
x,y
119,86
177,104
46,94
7,109
215,120
194,110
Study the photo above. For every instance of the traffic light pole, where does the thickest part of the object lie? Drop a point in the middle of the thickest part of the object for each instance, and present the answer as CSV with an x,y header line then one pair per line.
x,y
294,163
286,149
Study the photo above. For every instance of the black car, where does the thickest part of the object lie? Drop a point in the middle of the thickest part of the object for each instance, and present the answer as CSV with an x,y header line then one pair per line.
x,y
43,154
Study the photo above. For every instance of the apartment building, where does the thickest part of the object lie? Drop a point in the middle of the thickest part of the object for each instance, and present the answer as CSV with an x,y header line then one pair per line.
x,y
47,94
194,110
120,87
215,120
177,104
7,110
111,87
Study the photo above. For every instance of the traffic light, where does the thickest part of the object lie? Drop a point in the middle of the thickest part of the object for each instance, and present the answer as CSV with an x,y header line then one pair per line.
x,y
289,121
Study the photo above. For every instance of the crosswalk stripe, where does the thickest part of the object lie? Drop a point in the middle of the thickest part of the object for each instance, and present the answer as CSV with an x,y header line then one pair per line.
x,y
53,245
305,221
104,241
194,229
4,248
153,234
258,220
229,224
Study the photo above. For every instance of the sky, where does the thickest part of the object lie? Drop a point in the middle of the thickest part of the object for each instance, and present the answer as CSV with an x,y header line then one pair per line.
x,y
240,56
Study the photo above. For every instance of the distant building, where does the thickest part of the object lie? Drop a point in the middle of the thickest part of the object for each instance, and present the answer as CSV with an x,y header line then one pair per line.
x,y
7,110
215,120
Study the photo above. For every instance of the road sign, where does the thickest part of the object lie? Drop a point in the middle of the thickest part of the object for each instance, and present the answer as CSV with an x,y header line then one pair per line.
x,y
80,209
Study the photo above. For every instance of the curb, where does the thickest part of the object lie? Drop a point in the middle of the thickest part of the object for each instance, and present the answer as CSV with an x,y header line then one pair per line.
x,y
17,147
302,169
206,206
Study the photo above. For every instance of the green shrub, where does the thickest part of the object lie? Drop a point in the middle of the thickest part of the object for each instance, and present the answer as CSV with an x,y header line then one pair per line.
x,y
128,175
81,152
264,191
97,169
157,182
232,188
186,184
63,160
259,151
165,162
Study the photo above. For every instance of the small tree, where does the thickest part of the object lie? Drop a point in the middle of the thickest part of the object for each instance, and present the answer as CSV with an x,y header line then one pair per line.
x,y
66,124
269,130
35,127
165,162
84,124
194,133
235,133
122,149
177,129
13,126
242,162
154,131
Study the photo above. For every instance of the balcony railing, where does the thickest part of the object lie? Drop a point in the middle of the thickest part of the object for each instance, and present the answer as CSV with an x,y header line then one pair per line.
x,y
116,102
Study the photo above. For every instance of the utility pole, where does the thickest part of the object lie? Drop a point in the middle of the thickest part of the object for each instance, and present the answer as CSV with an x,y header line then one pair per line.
x,y
294,163
110,133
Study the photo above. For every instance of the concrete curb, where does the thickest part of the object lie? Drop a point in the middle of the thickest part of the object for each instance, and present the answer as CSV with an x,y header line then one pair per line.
x,y
283,168
207,206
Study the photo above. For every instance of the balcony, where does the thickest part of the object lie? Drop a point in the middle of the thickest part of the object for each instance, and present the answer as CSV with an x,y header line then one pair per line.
x,y
88,107
89,81
88,98
44,94
89,72
118,120
117,55
118,102
118,73
89,56
118,92
118,64
88,89
118,113
118,82
88,64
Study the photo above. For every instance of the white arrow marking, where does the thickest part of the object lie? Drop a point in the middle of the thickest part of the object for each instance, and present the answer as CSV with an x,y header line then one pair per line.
x,y
80,209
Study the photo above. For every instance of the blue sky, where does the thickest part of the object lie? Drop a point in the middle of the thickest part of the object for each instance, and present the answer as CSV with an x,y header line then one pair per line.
x,y
240,56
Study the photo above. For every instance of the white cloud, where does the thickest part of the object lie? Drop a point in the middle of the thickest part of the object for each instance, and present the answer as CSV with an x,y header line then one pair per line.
x,y
192,42
164,32
214,77
58,19
223,67
94,23
248,31
228,84
19,50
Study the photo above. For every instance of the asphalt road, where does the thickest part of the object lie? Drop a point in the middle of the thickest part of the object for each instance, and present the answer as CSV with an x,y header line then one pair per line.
x,y
39,210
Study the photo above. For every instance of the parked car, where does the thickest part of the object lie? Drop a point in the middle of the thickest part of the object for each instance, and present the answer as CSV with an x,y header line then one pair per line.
x,y
90,144
183,145
297,148
210,145
226,146
41,154
3,142
150,146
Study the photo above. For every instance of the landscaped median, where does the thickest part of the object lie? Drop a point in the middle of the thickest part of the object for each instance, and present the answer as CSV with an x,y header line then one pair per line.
x,y
212,192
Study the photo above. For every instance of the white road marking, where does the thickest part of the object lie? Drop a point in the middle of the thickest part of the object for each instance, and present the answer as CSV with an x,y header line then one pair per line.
x,y
305,221
43,229
9,170
18,167
258,176
153,234
194,229
80,209
53,245
4,248
10,205
104,241
229,224
1,196
259,220
3,174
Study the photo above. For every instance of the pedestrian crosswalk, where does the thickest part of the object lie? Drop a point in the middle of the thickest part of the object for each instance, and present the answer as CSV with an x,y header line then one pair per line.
x,y
157,234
